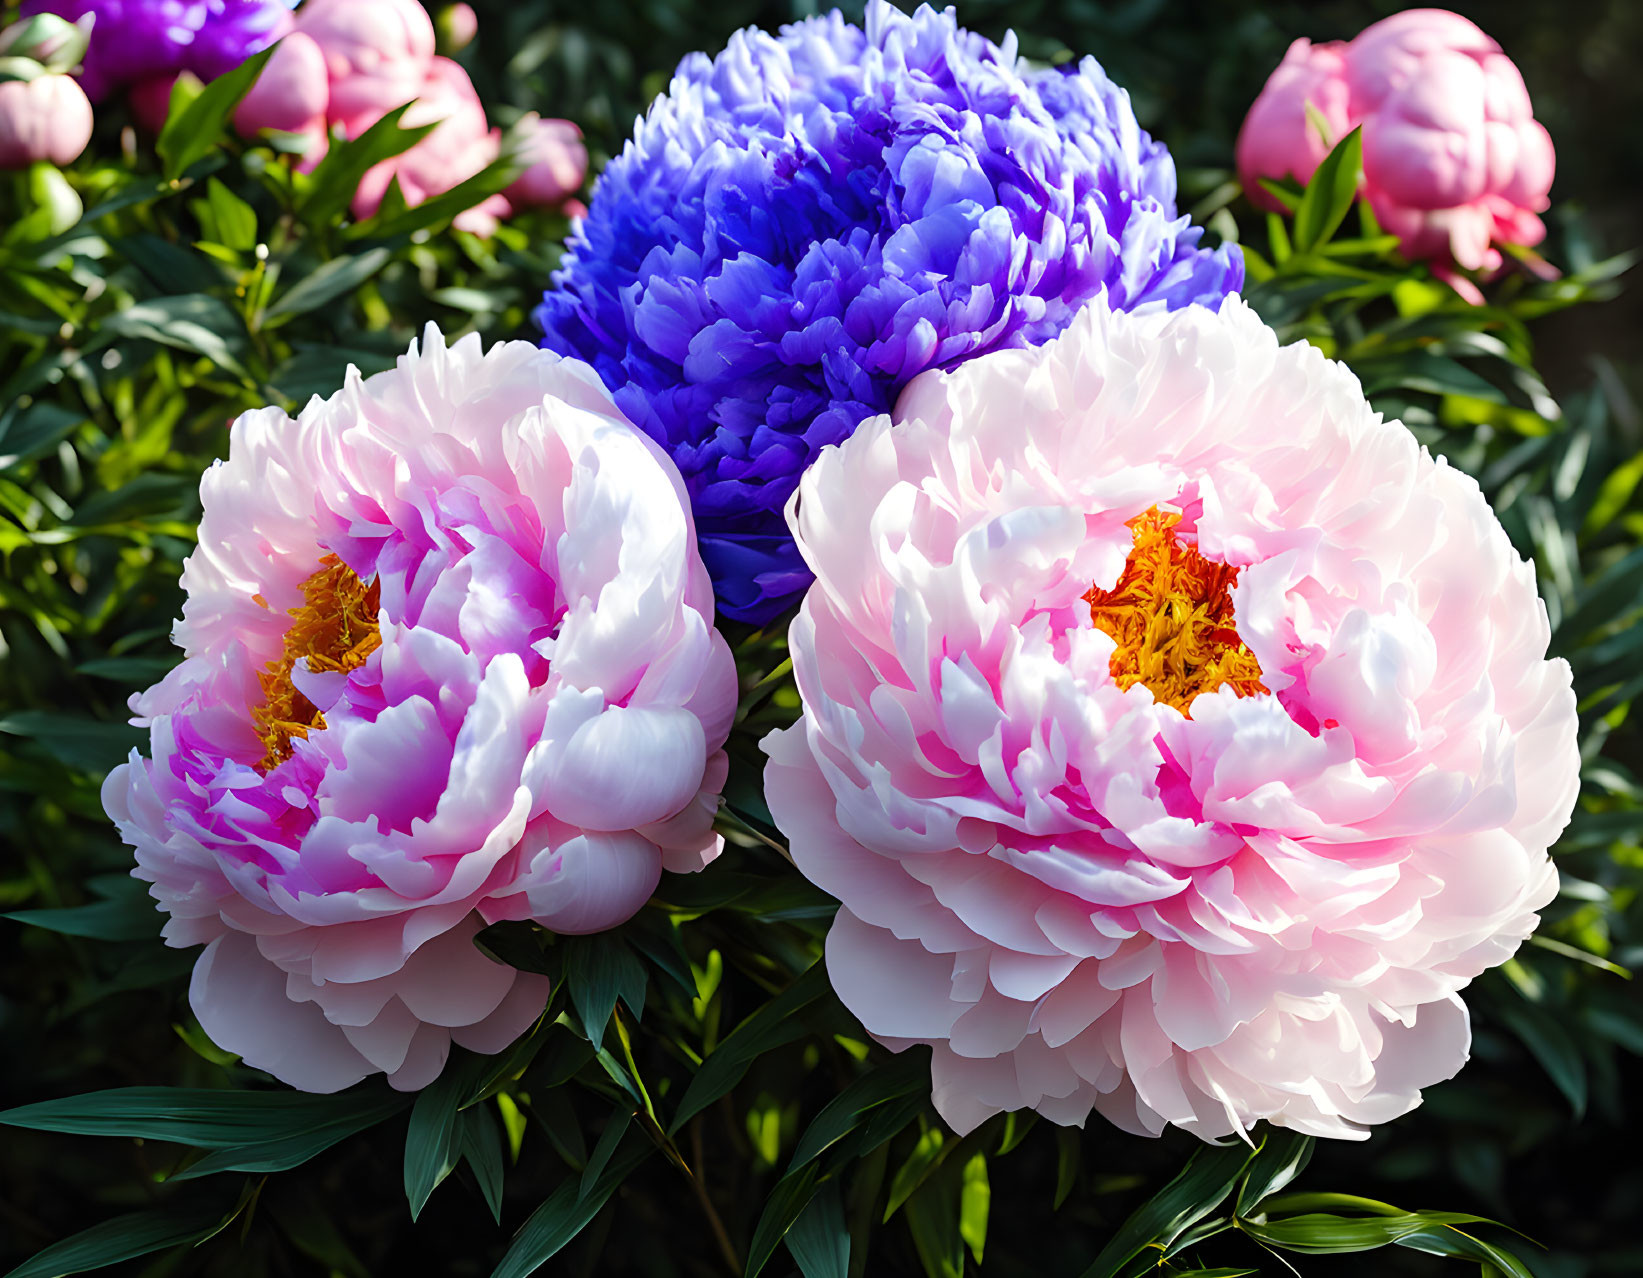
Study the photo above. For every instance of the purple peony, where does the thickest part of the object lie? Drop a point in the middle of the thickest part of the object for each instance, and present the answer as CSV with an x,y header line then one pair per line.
x,y
141,39
806,222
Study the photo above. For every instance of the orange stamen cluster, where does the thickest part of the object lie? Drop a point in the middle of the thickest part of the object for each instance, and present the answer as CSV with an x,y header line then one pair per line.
x,y
336,630
1171,615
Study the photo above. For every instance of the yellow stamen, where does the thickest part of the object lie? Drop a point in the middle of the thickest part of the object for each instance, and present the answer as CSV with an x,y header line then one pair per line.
x,y
1171,615
336,630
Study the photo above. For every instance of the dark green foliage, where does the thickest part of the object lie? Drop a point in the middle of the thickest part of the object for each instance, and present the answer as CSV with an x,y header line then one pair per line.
x,y
694,1101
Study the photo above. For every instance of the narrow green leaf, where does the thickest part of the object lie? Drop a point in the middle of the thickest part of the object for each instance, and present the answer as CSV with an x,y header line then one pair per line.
x,y
126,1237
1323,1234
1329,195
564,1214
203,1117
907,1074
1550,1044
233,221
773,1025
125,919
193,132
933,1218
819,1238
325,283
285,1152
1449,1241
335,178
616,1127
433,1141
1069,1155
1202,1185
194,322
975,1202
598,970
482,1151
1284,1155
784,1206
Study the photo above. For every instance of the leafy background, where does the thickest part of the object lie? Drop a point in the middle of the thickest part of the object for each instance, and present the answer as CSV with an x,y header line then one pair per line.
x,y
698,1089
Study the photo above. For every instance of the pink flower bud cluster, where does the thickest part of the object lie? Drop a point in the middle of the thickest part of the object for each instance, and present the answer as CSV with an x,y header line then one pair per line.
x,y
1454,160
348,63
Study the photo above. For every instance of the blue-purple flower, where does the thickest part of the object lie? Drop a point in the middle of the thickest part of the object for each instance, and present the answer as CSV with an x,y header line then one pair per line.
x,y
143,39
804,223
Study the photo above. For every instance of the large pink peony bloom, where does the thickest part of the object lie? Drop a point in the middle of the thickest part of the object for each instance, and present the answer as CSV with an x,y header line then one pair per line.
x,y
1454,161
450,658
1178,735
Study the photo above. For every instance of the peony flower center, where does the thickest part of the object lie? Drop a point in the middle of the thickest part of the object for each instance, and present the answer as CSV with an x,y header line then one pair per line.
x,y
1171,616
335,630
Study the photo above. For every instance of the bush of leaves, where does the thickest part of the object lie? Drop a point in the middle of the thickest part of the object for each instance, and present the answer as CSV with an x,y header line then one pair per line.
x,y
696,1101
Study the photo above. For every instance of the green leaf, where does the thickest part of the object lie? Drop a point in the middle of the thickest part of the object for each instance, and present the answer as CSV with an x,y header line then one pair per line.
x,y
1069,1156
91,745
1323,1234
1329,195
1202,1185
36,429
126,1237
933,1218
820,1239
281,1153
1284,1155
203,1117
564,1214
335,178
481,1143
907,1074
193,132
975,1201
771,1026
1423,371
123,919
616,1127
786,1203
1449,1241
598,970
433,1141
1550,1044
231,222
194,322
325,283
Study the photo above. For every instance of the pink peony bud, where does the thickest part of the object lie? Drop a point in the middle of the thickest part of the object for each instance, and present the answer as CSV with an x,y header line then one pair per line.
x,y
458,24
377,53
1454,161
292,93
1280,137
54,42
557,163
460,147
47,118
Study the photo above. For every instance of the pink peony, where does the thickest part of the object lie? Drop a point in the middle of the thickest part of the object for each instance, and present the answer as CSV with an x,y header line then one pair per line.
x,y
46,118
556,165
1278,137
460,147
292,94
1177,736
450,658
1454,161
377,53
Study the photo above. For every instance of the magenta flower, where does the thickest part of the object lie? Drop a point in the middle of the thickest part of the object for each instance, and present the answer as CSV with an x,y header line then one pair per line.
x,y
450,658
1177,736
1454,161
